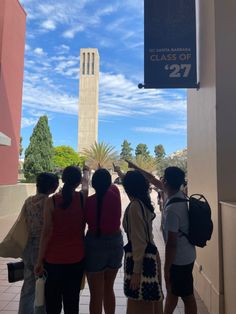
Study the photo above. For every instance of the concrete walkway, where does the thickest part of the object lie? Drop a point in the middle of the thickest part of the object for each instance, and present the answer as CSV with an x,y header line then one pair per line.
x,y
10,293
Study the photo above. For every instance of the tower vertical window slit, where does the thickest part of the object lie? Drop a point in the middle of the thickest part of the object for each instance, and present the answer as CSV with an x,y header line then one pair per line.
x,y
93,63
88,63
83,64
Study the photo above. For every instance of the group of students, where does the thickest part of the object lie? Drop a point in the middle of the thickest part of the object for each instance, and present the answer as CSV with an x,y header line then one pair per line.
x,y
71,233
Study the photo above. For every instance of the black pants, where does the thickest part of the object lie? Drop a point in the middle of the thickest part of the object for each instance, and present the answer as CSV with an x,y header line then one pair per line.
x,y
63,286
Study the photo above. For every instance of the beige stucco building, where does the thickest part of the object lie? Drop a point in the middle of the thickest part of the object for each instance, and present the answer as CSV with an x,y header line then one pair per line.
x,y
88,98
212,152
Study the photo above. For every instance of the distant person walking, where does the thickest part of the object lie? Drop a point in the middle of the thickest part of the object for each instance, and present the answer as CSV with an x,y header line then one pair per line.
x,y
46,184
103,242
61,251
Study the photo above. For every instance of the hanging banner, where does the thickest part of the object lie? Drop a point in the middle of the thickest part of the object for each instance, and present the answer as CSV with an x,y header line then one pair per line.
x,y
170,44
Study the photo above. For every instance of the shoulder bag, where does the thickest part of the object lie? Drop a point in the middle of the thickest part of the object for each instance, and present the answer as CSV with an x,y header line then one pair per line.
x,y
15,241
150,288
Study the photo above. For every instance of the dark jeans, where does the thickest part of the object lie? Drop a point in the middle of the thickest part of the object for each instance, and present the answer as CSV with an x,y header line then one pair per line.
x,y
63,286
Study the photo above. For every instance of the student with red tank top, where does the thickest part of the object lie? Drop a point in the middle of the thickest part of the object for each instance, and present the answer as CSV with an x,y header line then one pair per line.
x,y
61,251
103,242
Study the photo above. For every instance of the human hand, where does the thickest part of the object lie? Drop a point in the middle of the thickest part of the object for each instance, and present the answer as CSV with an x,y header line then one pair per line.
x,y
38,269
86,168
135,281
115,167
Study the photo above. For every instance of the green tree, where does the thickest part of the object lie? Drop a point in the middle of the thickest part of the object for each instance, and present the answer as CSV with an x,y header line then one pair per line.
x,y
126,150
142,150
21,147
39,153
100,155
177,159
66,156
159,151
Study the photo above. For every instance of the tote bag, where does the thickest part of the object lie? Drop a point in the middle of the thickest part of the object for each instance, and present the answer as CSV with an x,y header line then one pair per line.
x,y
15,241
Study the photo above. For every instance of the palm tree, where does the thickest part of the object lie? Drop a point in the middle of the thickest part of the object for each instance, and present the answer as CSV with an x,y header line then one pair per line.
x,y
100,155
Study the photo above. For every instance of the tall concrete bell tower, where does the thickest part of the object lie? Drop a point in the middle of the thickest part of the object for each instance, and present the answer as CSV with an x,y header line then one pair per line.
x,y
88,98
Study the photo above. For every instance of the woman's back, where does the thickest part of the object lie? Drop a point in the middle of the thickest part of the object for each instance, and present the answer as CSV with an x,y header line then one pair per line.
x,y
109,222
66,241
34,207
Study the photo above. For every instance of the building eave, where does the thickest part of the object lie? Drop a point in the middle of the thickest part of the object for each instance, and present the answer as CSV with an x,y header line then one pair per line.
x,y
5,140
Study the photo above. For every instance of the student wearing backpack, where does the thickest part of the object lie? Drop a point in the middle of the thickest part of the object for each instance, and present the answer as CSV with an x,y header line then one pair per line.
x,y
180,254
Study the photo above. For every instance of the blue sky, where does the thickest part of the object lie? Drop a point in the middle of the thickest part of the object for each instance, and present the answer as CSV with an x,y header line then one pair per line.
x,y
56,30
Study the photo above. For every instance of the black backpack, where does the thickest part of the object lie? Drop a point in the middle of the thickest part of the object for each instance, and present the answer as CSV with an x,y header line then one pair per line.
x,y
200,223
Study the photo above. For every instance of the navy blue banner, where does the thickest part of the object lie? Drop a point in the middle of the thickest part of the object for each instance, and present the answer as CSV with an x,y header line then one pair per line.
x,y
170,44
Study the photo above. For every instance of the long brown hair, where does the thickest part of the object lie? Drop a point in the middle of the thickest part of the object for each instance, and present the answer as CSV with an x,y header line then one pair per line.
x,y
136,186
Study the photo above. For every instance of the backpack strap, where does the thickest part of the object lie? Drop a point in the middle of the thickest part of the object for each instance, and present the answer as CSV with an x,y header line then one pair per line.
x,y
176,200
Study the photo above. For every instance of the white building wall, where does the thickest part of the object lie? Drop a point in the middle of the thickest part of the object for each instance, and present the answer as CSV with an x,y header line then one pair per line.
x,y
211,137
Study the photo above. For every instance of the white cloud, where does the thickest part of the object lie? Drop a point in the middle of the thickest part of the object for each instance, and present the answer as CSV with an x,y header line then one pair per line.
x,y
41,94
58,58
27,47
70,33
118,97
62,49
26,122
115,24
68,67
49,25
73,15
135,4
39,51
36,113
46,9
165,129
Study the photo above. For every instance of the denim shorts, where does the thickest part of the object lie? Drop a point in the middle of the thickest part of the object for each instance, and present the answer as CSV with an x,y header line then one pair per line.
x,y
103,252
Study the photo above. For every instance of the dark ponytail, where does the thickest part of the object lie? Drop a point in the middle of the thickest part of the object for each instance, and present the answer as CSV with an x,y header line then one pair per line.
x,y
101,181
71,178
136,186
